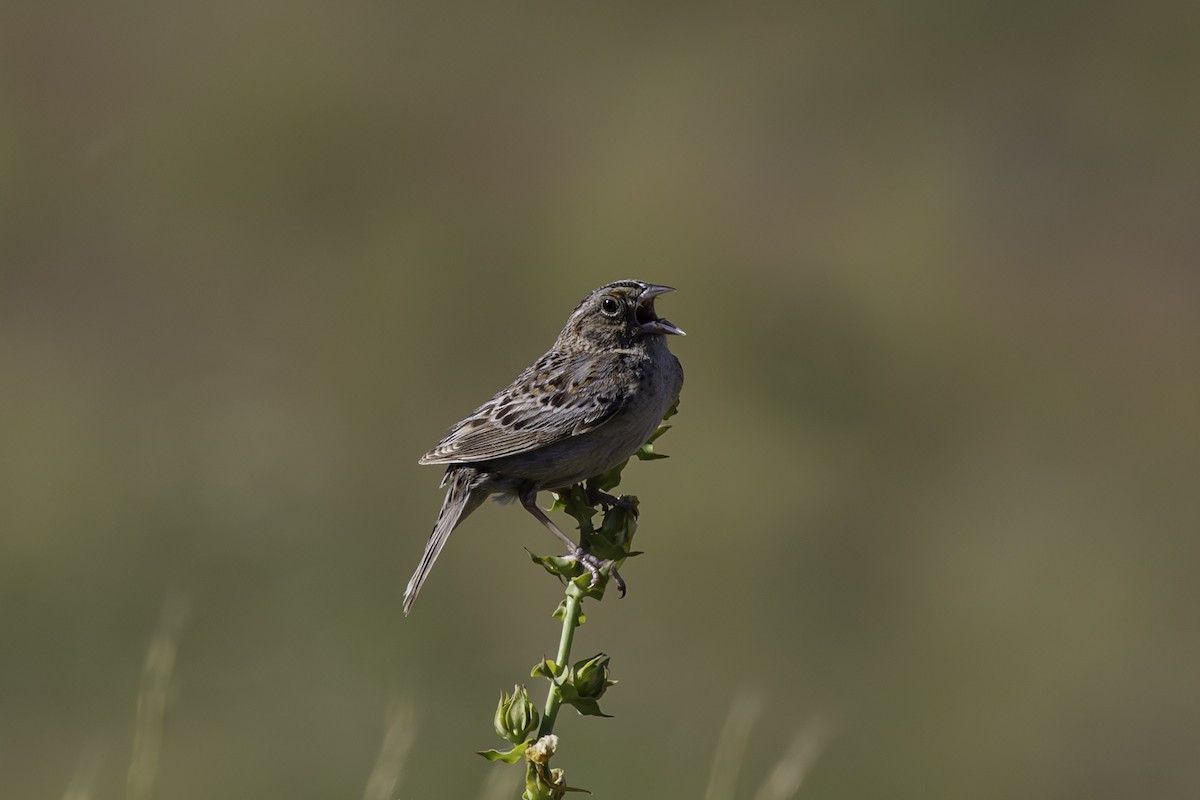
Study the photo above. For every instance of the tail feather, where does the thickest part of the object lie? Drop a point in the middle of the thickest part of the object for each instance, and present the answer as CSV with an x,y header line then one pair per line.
x,y
463,497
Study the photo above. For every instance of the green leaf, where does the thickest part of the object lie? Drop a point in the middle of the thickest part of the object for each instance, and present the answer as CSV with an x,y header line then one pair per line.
x,y
546,668
557,565
580,587
560,613
509,756
587,707
575,503
646,453
661,430
614,537
540,784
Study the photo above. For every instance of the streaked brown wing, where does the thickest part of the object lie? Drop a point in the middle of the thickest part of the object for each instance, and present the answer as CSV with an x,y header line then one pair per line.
x,y
560,396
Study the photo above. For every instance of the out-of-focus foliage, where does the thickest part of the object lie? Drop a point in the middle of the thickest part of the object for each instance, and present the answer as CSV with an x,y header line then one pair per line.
x,y
938,458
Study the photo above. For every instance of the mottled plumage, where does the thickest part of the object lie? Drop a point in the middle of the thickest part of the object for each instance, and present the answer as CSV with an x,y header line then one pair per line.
x,y
582,408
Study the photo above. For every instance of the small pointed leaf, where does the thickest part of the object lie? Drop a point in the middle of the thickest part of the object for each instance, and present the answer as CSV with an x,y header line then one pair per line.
x,y
509,756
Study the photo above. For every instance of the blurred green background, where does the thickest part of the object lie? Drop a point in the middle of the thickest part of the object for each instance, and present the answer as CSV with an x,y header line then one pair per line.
x,y
934,480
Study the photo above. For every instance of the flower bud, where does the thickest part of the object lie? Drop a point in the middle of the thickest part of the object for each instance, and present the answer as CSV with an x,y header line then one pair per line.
x,y
590,677
516,717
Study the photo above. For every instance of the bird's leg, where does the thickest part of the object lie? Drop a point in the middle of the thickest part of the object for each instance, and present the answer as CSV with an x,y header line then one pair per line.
x,y
529,501
589,561
594,497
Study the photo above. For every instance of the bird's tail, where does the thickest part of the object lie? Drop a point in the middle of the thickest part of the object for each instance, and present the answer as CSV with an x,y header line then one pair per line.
x,y
462,497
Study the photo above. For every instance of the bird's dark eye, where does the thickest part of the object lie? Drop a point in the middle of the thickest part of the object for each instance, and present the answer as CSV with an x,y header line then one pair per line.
x,y
610,306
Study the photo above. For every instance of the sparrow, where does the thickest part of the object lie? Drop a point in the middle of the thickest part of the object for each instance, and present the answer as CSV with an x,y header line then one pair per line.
x,y
584,407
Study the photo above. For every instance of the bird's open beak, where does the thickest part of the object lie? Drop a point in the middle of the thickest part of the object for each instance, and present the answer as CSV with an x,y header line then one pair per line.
x,y
648,321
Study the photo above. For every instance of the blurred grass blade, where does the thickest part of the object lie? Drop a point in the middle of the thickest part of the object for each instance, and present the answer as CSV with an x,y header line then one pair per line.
x,y
153,697
393,753
731,747
786,779
83,782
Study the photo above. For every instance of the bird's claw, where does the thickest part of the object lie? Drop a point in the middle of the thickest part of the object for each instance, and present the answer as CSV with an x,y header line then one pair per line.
x,y
590,563
620,581
594,565
595,497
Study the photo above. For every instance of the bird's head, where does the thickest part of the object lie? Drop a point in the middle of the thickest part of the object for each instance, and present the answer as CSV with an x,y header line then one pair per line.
x,y
618,315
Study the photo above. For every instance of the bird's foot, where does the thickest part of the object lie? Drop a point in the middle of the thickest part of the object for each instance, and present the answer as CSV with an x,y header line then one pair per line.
x,y
594,565
606,501
617,577
588,562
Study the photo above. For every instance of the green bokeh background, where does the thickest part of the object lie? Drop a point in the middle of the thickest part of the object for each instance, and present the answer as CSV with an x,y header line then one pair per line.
x,y
934,479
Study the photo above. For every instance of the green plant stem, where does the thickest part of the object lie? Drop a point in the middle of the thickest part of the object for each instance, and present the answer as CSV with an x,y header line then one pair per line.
x,y
554,697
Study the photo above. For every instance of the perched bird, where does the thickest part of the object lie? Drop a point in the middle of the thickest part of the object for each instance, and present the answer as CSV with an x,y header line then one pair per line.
x,y
582,408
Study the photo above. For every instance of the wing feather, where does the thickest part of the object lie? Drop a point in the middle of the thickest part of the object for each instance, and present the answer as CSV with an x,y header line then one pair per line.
x,y
560,396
